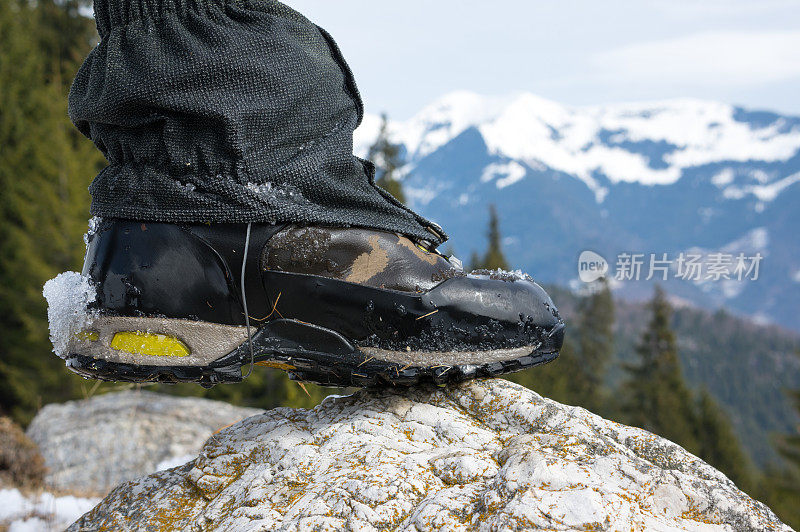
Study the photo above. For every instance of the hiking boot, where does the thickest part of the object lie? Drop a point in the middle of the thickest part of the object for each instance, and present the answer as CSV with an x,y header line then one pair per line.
x,y
335,306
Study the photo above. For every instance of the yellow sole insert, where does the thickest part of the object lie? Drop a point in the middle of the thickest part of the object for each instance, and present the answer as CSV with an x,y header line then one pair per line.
x,y
149,344
88,336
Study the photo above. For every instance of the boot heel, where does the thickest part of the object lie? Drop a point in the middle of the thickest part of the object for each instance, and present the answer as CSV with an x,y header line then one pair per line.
x,y
155,341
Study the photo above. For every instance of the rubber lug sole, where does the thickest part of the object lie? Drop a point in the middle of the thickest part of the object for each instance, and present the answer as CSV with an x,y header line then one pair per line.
x,y
325,374
313,354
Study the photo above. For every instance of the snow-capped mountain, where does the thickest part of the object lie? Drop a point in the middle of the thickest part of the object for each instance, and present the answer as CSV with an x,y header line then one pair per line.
x,y
676,176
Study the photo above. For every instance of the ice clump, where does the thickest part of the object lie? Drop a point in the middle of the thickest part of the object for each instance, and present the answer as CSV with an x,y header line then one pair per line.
x,y
68,297
502,275
280,192
456,263
94,223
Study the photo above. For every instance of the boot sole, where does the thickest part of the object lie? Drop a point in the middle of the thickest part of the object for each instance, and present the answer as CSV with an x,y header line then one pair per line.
x,y
131,349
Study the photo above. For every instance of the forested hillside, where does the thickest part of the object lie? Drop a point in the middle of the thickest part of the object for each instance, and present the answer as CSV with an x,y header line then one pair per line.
x,y
748,368
45,168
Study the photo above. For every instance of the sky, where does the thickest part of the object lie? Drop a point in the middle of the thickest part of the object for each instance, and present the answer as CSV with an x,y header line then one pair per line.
x,y
405,54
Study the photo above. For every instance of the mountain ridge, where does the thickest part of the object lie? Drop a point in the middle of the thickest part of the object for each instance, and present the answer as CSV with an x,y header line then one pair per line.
x,y
654,177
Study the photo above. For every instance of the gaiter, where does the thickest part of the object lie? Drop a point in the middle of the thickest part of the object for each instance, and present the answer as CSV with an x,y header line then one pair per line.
x,y
226,111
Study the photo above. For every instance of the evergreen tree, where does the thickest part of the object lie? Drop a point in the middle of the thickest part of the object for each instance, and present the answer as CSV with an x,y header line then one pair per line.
x,y
494,258
657,397
719,446
386,156
475,261
64,36
596,347
560,380
45,167
577,376
781,486
789,444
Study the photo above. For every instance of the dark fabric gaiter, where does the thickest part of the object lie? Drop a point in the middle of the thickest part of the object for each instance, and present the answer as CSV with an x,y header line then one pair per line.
x,y
226,111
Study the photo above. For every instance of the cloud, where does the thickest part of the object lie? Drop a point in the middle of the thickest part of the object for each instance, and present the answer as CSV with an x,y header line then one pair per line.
x,y
718,58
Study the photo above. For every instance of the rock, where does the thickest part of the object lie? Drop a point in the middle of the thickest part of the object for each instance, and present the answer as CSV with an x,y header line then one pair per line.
x,y
92,445
485,455
21,463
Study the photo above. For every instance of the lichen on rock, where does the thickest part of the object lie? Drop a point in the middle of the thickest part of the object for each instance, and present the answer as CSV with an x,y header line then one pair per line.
x,y
484,455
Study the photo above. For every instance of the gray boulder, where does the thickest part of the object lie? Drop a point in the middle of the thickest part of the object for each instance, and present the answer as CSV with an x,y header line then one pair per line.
x,y
485,455
92,445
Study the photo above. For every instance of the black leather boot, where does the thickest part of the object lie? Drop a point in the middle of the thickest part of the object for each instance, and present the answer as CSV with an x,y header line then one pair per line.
x,y
336,306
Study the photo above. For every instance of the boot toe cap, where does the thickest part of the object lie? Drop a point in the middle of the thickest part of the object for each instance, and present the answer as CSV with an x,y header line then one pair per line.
x,y
515,301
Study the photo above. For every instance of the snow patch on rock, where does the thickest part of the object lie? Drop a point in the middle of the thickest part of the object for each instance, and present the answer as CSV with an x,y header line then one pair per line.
x,y
175,461
40,512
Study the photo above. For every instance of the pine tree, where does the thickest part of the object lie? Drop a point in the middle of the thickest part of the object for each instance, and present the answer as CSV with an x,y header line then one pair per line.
x,y
560,380
64,36
789,444
45,167
494,258
596,347
657,397
386,156
577,376
475,261
781,486
718,444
